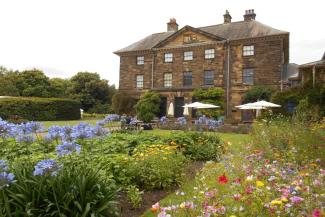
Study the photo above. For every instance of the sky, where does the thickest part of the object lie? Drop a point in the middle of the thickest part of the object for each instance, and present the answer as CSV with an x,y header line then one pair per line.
x,y
63,37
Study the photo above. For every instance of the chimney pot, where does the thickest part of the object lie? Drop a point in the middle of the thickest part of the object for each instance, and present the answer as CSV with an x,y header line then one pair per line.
x,y
172,25
227,17
249,15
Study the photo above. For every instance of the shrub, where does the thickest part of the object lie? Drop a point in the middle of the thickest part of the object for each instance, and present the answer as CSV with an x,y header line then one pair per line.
x,y
213,95
122,103
148,106
74,191
258,93
40,109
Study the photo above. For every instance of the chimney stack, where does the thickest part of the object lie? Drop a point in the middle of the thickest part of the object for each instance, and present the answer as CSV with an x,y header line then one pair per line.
x,y
249,15
172,25
227,17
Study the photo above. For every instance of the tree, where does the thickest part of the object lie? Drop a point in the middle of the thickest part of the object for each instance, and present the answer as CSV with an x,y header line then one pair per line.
x,y
123,103
59,87
8,81
213,95
90,90
258,93
148,106
33,83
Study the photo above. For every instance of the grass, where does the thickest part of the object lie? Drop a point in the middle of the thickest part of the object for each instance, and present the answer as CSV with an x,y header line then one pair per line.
x,y
48,124
236,144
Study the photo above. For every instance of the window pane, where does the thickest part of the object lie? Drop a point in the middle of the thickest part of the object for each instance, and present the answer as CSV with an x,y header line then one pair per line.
x,y
248,76
168,78
208,77
139,81
187,79
209,53
188,55
140,60
248,50
168,57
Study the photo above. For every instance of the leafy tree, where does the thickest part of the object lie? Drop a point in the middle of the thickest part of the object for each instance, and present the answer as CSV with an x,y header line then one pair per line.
x,y
258,93
123,103
90,90
33,83
8,81
213,95
148,106
59,87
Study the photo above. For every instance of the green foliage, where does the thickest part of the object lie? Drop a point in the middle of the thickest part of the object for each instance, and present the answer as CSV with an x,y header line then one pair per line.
x,y
39,109
100,108
122,103
59,87
134,195
213,95
292,140
258,93
148,106
75,191
90,90
315,97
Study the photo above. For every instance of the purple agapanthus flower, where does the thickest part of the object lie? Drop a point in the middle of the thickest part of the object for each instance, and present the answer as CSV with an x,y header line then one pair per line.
x,y
82,131
3,166
26,138
54,132
133,121
7,130
108,119
100,131
65,133
163,120
46,167
181,121
6,179
67,148
35,127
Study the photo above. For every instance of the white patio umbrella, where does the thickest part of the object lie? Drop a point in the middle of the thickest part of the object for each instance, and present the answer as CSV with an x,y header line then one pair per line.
x,y
208,106
171,109
186,112
264,104
199,105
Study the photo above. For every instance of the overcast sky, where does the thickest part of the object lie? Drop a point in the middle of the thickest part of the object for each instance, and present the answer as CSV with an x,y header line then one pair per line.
x,y
63,37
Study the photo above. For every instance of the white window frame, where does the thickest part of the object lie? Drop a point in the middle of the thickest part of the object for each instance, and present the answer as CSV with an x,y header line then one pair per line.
x,y
248,76
188,55
248,50
139,81
168,79
209,53
168,57
140,60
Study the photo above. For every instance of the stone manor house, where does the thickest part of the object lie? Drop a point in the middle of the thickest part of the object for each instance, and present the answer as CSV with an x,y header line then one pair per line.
x,y
231,55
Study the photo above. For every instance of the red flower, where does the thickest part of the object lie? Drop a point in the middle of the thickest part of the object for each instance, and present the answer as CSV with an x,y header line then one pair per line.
x,y
223,179
237,181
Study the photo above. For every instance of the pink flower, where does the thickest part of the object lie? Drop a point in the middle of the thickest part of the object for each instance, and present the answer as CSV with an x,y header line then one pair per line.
x,y
316,213
237,196
296,199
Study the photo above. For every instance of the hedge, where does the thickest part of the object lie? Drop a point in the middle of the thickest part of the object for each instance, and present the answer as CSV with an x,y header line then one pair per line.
x,y
39,109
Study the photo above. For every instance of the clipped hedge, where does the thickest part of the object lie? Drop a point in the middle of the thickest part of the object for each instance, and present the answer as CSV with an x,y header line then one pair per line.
x,y
39,109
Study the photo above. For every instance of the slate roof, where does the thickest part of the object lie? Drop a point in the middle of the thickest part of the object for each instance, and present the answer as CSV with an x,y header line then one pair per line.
x,y
231,31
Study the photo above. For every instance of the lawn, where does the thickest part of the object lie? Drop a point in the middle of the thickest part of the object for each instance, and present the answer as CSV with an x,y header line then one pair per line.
x,y
48,124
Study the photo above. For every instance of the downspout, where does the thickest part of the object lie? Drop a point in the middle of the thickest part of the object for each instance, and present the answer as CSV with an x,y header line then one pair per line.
x,y
228,79
152,67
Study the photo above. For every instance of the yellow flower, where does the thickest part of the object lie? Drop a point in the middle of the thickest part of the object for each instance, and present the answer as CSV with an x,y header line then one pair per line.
x,y
259,184
232,216
276,202
182,206
284,199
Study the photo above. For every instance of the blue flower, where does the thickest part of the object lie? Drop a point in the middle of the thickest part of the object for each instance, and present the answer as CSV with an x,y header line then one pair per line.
x,y
67,148
100,131
25,138
82,131
6,179
108,119
46,167
181,121
35,127
133,121
7,130
163,120
54,132
3,166
65,133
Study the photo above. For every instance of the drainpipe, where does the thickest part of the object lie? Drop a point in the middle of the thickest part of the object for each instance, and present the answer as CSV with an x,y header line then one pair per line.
x,y
314,73
152,67
228,79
